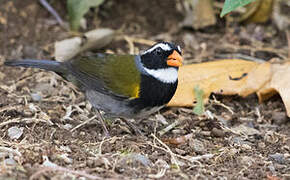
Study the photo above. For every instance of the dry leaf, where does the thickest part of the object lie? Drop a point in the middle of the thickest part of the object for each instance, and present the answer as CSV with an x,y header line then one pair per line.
x,y
199,14
231,77
258,11
279,83
281,14
178,140
225,76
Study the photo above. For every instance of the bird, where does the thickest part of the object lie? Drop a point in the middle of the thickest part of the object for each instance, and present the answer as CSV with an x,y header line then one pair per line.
x,y
124,86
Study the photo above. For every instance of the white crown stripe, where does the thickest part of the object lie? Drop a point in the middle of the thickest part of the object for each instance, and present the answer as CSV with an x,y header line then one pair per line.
x,y
163,46
167,75
179,49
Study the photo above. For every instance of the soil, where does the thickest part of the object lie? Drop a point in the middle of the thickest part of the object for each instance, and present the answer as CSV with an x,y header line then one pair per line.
x,y
59,141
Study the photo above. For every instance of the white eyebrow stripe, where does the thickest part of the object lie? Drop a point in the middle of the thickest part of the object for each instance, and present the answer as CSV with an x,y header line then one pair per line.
x,y
163,46
179,48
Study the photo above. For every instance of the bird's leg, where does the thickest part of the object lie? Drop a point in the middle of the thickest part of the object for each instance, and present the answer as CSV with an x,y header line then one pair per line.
x,y
132,126
101,118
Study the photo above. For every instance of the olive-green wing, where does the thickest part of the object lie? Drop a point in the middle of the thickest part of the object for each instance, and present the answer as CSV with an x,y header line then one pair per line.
x,y
116,74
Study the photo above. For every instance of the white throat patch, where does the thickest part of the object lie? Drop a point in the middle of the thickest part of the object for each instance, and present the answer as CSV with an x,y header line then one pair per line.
x,y
166,75
163,46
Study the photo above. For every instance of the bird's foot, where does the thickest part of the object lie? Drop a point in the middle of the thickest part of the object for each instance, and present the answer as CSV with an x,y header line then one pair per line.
x,y
136,130
101,118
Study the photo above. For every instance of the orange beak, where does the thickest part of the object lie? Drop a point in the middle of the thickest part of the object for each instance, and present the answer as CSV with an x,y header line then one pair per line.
x,y
174,59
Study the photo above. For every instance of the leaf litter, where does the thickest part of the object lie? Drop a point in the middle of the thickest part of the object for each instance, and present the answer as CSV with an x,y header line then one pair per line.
x,y
198,151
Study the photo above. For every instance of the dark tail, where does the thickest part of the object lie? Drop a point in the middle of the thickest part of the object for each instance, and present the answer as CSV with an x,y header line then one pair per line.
x,y
42,64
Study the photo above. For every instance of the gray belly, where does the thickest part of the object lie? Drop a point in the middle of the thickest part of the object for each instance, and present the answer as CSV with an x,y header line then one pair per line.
x,y
117,108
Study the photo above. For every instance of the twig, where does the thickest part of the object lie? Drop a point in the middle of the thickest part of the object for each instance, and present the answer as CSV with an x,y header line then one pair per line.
x,y
277,51
288,39
187,158
50,9
215,101
159,175
85,122
10,107
140,40
171,126
168,150
205,156
10,150
25,120
131,44
168,128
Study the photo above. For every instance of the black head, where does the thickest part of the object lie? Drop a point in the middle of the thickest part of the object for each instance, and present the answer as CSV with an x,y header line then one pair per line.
x,y
162,55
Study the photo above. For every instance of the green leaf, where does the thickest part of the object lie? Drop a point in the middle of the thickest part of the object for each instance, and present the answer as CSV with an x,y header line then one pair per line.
x,y
199,107
231,5
77,9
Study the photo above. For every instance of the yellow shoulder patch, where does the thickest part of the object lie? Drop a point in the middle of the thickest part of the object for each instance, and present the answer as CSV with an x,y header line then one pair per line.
x,y
135,92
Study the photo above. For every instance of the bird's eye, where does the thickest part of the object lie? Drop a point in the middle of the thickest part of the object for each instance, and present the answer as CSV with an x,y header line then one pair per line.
x,y
158,51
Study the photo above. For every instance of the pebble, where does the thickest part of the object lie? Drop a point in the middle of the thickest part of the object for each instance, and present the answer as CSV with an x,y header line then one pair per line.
x,y
36,96
180,151
161,119
196,145
247,161
277,157
261,145
217,132
246,147
67,126
15,132
279,118
135,159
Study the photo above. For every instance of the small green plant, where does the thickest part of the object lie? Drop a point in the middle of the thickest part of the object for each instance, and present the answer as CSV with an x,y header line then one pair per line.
x,y
77,9
199,107
231,5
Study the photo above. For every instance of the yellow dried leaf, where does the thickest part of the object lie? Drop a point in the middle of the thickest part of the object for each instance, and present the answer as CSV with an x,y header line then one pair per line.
x,y
258,11
279,83
230,77
224,76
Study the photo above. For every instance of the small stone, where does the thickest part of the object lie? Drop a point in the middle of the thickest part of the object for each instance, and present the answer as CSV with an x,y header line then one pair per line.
x,y
27,113
217,132
10,161
67,126
272,168
15,132
279,118
201,124
246,130
233,151
136,159
205,133
247,161
261,145
196,145
36,96
90,163
180,151
246,147
277,157
47,162
66,159
161,119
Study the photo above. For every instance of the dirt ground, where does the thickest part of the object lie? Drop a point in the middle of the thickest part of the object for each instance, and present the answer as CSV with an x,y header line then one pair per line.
x,y
59,141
